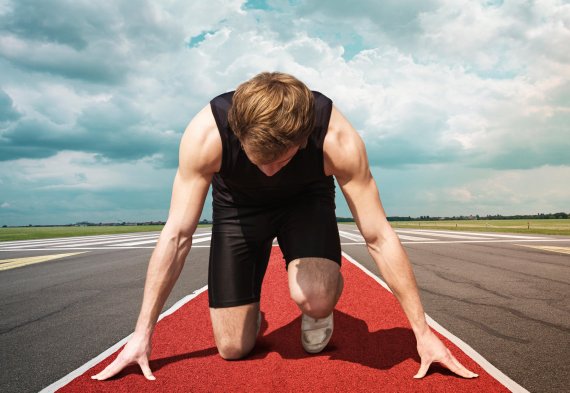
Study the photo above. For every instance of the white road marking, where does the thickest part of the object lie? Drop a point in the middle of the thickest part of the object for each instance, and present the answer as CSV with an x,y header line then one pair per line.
x,y
351,236
478,234
561,250
138,241
343,244
70,239
437,234
149,238
495,241
473,354
204,239
66,243
413,238
105,354
478,358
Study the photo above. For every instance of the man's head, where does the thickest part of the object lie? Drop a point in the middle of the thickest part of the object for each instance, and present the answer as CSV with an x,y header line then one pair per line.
x,y
272,115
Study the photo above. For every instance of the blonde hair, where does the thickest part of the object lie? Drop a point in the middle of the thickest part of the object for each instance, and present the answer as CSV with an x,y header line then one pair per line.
x,y
271,113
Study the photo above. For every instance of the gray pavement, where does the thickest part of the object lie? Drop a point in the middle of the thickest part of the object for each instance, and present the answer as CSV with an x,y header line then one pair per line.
x,y
506,300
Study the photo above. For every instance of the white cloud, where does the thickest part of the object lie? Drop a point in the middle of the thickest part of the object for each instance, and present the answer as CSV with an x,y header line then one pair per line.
x,y
460,84
82,171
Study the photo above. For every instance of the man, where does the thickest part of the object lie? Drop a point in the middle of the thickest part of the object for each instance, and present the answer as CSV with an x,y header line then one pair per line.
x,y
270,149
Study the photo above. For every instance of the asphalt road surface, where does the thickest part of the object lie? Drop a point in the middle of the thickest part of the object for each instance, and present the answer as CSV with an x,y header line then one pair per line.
x,y
506,295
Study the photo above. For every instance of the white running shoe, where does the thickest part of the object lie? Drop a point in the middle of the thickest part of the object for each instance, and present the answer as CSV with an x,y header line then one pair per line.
x,y
316,333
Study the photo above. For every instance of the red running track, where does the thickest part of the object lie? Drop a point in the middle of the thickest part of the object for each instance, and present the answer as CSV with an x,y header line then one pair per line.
x,y
372,348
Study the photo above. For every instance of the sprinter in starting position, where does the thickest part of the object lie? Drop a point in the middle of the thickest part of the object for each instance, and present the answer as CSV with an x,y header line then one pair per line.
x,y
270,150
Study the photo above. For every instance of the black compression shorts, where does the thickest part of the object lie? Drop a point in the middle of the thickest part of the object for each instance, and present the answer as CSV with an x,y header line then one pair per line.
x,y
242,239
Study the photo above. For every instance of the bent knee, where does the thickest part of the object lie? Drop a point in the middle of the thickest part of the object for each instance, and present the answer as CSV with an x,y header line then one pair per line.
x,y
234,351
317,296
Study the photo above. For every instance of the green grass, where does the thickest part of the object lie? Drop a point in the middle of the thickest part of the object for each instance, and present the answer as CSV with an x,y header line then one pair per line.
x,y
29,233
543,227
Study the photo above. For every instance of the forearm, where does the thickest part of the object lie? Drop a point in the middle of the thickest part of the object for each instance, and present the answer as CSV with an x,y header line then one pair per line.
x,y
395,267
164,268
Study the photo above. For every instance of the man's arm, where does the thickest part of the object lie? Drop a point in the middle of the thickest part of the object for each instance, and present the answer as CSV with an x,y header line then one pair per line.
x,y
199,155
346,157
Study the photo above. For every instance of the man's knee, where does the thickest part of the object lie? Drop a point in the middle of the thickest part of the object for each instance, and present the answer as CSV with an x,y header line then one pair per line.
x,y
233,350
315,284
234,329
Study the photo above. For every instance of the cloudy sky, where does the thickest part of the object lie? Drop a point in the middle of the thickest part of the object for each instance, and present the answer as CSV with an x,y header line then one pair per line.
x,y
464,106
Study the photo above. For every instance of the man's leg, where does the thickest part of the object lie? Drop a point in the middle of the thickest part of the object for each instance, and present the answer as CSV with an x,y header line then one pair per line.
x,y
239,253
315,284
235,329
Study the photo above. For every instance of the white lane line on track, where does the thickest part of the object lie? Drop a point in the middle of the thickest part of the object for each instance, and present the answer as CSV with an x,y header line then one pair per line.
x,y
103,355
473,354
484,363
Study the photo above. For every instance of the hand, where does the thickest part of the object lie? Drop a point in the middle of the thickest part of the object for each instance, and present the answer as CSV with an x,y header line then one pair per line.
x,y
137,350
431,350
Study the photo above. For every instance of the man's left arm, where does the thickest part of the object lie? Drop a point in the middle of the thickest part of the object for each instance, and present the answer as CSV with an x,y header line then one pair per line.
x,y
346,156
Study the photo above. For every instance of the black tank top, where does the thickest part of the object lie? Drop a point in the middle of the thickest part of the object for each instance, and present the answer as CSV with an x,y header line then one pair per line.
x,y
240,183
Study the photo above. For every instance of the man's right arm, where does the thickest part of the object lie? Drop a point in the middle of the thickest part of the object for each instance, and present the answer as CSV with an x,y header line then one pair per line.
x,y
199,158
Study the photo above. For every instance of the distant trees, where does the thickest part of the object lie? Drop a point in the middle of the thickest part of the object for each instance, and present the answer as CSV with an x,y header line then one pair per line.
x,y
539,216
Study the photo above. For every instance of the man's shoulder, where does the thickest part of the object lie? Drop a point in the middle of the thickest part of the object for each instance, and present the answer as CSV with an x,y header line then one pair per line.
x,y
333,140
341,143
201,141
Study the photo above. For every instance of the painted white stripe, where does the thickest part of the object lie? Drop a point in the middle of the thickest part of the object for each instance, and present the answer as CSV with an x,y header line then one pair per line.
x,y
74,248
196,238
501,235
202,240
481,234
103,355
497,241
351,236
65,241
138,243
95,248
344,244
73,239
202,234
437,234
413,238
476,356
53,241
113,241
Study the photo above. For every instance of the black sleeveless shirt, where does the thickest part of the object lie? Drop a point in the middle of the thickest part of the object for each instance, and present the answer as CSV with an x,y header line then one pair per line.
x,y
240,183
